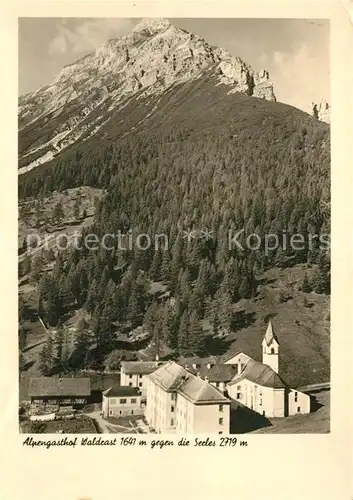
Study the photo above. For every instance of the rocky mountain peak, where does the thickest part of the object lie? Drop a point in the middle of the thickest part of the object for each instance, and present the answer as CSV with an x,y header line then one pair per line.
x,y
151,59
152,25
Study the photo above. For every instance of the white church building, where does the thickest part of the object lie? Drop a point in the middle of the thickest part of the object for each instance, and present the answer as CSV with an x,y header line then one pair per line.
x,y
259,386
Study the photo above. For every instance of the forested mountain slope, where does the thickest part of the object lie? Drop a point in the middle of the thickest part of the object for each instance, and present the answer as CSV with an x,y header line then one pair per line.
x,y
192,157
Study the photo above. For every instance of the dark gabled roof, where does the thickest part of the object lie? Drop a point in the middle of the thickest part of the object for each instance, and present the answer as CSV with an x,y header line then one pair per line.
x,y
173,377
216,373
261,374
197,360
121,390
54,386
140,367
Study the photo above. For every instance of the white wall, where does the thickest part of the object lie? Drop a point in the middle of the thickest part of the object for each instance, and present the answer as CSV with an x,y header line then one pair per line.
x,y
264,400
206,419
278,403
298,402
113,407
185,416
271,358
48,416
134,380
159,408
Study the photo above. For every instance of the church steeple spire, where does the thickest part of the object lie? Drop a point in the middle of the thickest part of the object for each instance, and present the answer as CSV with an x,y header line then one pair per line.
x,y
270,348
270,334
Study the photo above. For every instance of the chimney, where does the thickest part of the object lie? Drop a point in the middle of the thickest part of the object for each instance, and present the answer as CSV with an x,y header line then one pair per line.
x,y
198,374
207,379
195,365
186,367
157,357
209,366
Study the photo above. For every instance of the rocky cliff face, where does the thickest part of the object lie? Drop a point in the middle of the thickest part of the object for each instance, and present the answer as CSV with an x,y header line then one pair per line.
x,y
321,111
151,59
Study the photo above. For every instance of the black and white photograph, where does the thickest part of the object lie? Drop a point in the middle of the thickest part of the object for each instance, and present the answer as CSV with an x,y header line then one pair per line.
x,y
174,226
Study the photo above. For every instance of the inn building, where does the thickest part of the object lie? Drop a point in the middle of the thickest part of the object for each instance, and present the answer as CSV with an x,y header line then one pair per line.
x,y
180,402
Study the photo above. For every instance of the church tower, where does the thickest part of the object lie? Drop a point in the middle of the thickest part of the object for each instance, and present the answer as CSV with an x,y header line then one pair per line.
x,y
270,348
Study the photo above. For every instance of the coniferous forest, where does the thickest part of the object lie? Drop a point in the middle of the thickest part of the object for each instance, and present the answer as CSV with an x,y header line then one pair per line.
x,y
230,163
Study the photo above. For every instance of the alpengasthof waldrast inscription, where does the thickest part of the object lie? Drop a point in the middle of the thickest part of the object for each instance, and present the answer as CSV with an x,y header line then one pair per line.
x,y
69,442
132,441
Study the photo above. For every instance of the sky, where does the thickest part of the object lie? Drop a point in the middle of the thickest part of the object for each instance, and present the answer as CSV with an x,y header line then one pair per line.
x,y
294,51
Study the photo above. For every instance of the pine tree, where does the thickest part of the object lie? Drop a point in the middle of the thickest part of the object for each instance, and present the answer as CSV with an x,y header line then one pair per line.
x,y
155,269
53,306
231,279
183,335
58,213
76,208
26,265
225,311
165,267
195,333
58,267
247,287
21,338
306,287
151,317
59,349
92,296
78,358
46,357
36,269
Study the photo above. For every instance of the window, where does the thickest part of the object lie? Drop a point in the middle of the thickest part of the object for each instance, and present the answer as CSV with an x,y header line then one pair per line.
x,y
238,387
140,376
217,384
260,402
173,396
122,401
130,376
220,432
120,412
172,422
272,350
220,421
263,412
130,384
132,412
113,401
140,384
133,400
298,409
295,397
238,395
220,407
172,409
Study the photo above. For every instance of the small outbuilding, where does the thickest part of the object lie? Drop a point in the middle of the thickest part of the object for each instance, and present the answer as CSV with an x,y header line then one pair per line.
x,y
121,401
